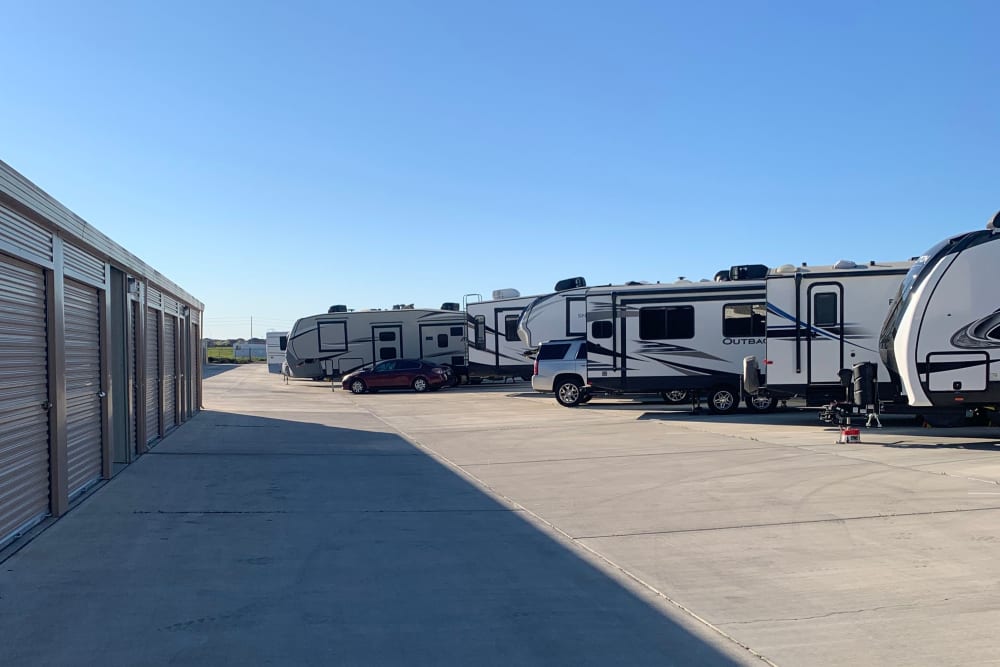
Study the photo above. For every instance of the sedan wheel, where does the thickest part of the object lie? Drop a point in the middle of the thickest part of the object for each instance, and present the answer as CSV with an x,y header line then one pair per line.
x,y
358,387
420,384
723,400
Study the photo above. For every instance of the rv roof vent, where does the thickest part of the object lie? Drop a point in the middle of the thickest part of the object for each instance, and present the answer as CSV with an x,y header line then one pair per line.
x,y
785,268
402,306
570,283
449,305
509,293
339,308
721,276
633,283
748,272
845,264
994,224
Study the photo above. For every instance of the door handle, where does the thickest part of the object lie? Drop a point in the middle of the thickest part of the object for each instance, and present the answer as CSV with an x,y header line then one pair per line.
x,y
46,405
101,394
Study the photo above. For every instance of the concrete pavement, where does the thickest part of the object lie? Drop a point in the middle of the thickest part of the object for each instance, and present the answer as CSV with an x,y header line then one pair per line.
x,y
287,524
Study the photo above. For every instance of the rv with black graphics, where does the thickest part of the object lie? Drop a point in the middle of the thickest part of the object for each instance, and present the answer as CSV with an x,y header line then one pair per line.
x,y
495,350
679,339
941,340
820,320
339,341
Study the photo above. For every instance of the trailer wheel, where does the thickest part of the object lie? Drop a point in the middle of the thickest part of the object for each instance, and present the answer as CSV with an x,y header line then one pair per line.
x,y
419,384
674,397
358,387
760,401
569,392
723,400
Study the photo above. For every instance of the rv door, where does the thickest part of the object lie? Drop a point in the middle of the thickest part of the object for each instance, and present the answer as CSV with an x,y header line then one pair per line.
x,y
824,332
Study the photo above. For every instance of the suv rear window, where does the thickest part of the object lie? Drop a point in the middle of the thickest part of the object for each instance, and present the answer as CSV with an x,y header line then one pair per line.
x,y
554,351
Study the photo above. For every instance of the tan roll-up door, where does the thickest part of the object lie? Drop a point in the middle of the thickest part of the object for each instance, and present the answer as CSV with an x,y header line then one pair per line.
x,y
169,372
152,375
84,399
24,394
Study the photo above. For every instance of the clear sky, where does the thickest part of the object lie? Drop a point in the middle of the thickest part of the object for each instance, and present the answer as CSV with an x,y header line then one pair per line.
x,y
274,158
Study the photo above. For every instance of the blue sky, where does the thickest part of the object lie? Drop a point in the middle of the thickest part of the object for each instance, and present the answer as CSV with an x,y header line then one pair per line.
x,y
276,158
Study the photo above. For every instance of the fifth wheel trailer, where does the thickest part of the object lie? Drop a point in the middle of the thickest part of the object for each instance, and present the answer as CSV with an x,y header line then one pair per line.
x,y
332,344
941,340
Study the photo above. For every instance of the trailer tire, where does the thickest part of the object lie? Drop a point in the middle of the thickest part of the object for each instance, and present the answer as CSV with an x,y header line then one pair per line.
x,y
674,397
723,400
760,401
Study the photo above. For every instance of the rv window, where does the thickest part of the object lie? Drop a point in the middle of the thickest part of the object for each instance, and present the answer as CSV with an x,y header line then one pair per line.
x,y
601,329
385,336
825,311
283,343
480,332
666,322
510,327
442,340
456,331
744,320
387,353
332,336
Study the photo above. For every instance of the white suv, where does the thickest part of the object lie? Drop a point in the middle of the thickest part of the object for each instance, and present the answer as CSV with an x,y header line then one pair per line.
x,y
561,367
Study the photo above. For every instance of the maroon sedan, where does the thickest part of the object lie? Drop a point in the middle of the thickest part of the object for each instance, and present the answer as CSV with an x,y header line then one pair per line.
x,y
415,374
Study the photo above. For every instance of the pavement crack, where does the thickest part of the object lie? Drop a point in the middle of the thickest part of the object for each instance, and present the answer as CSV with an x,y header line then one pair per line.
x,y
788,523
843,612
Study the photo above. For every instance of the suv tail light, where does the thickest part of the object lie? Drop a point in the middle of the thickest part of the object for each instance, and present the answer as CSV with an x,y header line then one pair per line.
x,y
535,369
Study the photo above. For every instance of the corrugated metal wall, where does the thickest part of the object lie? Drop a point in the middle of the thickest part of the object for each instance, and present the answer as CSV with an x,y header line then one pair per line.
x,y
152,375
169,372
24,397
84,396
62,345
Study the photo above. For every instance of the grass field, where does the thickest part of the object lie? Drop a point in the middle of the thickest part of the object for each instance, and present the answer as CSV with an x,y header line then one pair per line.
x,y
224,354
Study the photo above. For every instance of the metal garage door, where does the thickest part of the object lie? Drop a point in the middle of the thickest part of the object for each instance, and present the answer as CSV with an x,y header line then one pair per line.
x,y
152,375
169,371
133,377
84,399
24,394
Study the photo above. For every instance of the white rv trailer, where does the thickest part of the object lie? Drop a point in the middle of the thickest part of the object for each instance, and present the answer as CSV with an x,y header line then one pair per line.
x,y
337,342
495,350
941,340
668,338
276,343
820,320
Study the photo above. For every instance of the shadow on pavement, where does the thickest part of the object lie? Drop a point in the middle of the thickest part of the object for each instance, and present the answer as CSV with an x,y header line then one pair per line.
x,y
243,539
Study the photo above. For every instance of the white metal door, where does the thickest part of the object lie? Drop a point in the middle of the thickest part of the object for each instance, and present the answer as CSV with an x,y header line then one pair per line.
x,y
169,372
133,377
24,394
152,375
84,397
825,332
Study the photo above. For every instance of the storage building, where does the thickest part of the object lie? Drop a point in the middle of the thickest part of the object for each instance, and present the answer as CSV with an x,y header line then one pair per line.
x,y
98,356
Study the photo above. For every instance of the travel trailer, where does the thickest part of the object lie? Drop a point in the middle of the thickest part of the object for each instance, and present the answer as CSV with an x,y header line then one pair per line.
x,y
339,341
276,343
495,350
820,320
676,339
941,340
